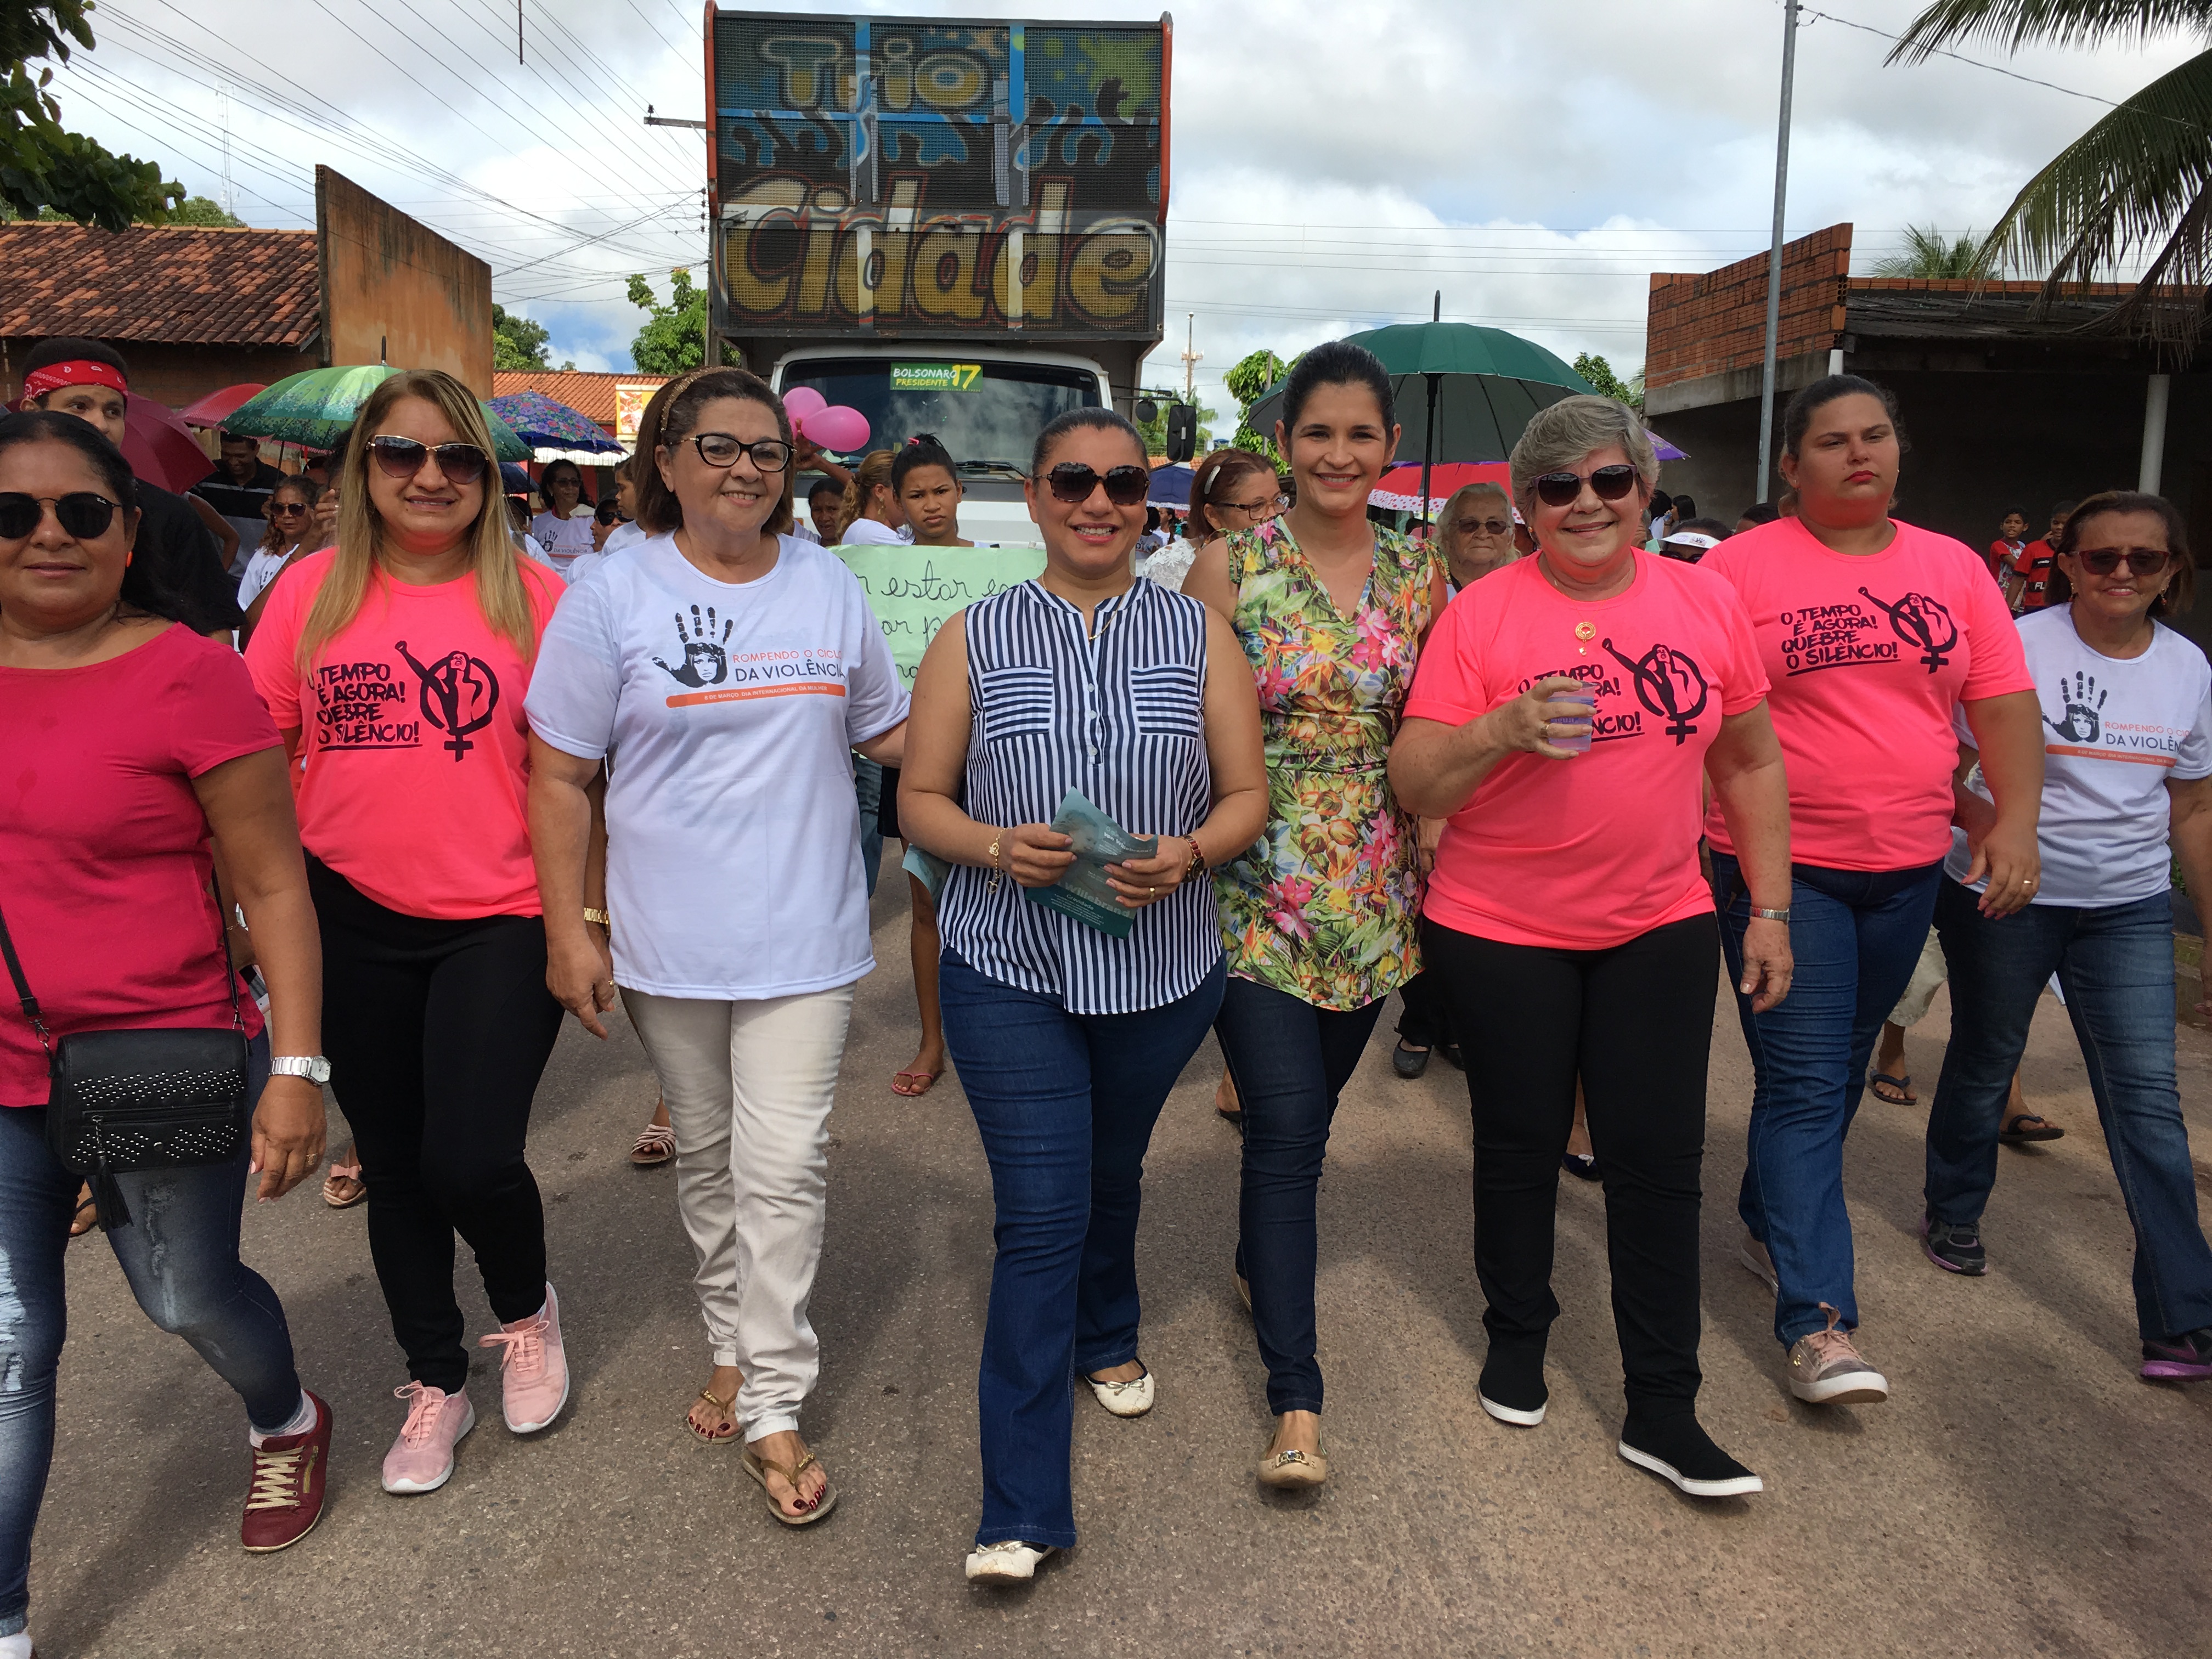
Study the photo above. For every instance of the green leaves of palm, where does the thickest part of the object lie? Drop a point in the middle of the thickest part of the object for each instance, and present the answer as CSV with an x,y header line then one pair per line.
x,y
2138,182
1926,254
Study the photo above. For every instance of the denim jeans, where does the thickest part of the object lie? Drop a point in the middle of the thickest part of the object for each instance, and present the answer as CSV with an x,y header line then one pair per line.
x,y
179,1252
1065,1104
1855,935
868,785
2115,964
1289,1060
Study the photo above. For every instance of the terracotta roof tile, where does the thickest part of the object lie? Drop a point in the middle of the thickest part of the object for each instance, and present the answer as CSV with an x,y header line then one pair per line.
x,y
175,283
586,392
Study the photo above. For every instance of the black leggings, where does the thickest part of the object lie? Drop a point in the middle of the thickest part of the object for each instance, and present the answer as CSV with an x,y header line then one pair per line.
x,y
1636,1022
437,1033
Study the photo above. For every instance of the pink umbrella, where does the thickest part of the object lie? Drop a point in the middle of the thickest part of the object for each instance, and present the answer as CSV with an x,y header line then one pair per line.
x,y
1399,489
211,410
159,447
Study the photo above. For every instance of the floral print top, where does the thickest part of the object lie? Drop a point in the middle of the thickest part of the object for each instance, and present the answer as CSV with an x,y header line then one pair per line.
x,y
1324,904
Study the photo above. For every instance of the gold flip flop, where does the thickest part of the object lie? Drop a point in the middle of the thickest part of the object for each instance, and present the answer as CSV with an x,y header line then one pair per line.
x,y
760,1468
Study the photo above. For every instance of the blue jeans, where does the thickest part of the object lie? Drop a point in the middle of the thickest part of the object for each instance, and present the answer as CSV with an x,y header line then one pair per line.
x,y
1289,1060
179,1252
1065,1104
1855,935
868,786
2116,966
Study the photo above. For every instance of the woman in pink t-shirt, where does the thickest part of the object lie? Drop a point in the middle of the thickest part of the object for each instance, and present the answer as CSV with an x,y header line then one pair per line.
x,y
1567,714
1873,632
395,664
139,760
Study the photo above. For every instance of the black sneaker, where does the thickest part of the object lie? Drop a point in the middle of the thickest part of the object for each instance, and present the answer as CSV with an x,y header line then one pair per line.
x,y
1512,1387
1677,1449
1954,1248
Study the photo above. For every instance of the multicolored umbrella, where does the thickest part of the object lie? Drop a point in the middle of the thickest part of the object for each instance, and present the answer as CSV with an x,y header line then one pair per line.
x,y
1399,489
315,407
552,429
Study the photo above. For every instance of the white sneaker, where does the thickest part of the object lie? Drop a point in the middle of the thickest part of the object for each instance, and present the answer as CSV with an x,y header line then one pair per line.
x,y
1131,1398
1012,1562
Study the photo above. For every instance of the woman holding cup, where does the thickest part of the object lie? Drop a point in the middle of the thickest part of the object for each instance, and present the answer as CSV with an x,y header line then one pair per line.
x,y
1565,716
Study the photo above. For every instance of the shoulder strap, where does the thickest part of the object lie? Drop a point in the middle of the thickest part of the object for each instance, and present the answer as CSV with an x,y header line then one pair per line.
x,y
24,986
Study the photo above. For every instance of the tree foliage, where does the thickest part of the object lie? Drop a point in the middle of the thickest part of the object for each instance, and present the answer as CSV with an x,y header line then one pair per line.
x,y
1599,373
673,338
516,342
43,165
1247,382
202,210
1155,430
2136,187
1926,254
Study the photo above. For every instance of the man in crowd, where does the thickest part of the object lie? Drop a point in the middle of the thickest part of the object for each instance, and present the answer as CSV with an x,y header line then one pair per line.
x,y
239,489
88,379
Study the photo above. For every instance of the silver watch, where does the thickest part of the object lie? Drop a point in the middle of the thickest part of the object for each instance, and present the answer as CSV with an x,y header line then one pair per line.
x,y
1781,915
313,1068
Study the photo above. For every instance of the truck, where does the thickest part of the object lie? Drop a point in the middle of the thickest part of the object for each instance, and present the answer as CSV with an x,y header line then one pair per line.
x,y
956,227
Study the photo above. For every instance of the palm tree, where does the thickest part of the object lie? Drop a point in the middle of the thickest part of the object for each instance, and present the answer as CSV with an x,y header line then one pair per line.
x,y
2138,183
1926,254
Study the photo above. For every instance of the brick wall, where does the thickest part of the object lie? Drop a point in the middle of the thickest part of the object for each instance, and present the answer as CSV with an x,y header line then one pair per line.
x,y
1715,321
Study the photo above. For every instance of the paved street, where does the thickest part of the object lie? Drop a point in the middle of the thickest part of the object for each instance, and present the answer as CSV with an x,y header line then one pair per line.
x,y
2023,1493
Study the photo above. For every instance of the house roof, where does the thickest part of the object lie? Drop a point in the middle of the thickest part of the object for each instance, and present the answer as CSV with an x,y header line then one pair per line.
x,y
177,284
591,395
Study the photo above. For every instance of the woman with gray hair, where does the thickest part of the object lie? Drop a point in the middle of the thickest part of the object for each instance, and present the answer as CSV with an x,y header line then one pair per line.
x,y
1477,529
1564,717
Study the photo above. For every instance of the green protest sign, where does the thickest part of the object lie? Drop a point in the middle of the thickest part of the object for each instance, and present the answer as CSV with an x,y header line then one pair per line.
x,y
935,377
911,590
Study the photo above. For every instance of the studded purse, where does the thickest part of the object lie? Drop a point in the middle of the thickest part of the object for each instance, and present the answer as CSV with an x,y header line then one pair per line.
x,y
126,1102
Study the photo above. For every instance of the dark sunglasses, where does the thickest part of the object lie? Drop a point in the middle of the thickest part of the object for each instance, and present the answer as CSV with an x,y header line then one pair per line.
x,y
1487,526
721,449
1126,486
402,457
288,510
1610,484
2141,561
82,513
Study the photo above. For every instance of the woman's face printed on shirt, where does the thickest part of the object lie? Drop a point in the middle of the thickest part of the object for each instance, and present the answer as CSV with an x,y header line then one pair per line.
x,y
734,499
1845,469
1091,537
427,512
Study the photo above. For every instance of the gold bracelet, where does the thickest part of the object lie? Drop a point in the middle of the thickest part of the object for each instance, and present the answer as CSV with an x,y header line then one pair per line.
x,y
991,885
600,917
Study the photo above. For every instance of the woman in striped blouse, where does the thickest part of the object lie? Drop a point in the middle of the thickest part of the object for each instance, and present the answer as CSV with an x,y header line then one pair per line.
x,y
1067,1039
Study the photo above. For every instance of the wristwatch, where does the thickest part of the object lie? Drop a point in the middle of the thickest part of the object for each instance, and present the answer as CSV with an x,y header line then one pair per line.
x,y
1781,915
313,1068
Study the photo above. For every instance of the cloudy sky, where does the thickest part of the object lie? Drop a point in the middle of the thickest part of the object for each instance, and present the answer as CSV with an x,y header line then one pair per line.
x,y
1334,165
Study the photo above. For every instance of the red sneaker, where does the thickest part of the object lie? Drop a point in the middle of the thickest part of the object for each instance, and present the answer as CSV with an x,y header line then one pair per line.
x,y
286,1498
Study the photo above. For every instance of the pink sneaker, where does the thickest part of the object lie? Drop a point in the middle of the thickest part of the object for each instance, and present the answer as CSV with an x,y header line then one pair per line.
x,y
534,1372
422,1458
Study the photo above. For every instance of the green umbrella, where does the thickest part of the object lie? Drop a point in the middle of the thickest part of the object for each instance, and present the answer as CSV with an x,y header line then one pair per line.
x,y
315,407
1464,392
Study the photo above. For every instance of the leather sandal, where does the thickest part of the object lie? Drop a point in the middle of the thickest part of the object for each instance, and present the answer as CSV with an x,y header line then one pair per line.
x,y
719,1405
760,1467
655,1143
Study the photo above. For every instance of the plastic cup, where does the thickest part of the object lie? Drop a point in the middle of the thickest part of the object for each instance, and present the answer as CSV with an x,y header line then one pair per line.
x,y
1580,744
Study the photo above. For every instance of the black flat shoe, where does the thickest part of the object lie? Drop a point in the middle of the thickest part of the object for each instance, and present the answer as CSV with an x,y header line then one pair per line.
x,y
1677,1450
1450,1052
1581,1165
1408,1063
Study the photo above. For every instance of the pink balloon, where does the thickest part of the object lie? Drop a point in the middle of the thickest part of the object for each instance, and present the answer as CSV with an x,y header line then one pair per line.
x,y
804,400
836,427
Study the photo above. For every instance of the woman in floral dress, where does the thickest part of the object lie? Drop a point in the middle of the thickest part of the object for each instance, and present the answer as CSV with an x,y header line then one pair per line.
x,y
1318,917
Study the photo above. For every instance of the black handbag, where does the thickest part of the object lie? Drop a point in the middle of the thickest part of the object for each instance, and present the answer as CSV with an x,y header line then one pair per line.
x,y
124,1102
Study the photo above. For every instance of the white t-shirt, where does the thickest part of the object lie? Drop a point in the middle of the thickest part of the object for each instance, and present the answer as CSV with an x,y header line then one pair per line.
x,y
260,571
866,532
2113,732
1169,565
562,538
728,711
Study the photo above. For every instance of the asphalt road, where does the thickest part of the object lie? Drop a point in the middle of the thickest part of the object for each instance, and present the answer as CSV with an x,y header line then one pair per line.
x,y
2023,1491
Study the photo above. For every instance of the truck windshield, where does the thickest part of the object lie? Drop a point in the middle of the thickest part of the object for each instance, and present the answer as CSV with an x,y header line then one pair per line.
x,y
985,415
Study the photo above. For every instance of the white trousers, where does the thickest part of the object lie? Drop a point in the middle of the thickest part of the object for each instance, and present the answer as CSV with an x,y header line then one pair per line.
x,y
748,1087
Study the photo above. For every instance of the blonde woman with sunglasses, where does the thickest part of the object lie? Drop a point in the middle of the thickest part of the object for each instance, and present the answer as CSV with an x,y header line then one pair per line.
x,y
395,664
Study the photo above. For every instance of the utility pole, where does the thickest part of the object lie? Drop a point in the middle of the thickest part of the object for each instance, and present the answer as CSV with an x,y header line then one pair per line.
x,y
1190,359
1774,253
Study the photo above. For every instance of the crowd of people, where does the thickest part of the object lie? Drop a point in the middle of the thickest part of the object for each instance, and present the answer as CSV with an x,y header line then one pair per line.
x,y
1546,778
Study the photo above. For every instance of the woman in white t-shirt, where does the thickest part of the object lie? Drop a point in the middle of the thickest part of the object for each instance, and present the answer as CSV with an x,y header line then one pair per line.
x,y
291,512
564,530
2127,716
872,514
733,667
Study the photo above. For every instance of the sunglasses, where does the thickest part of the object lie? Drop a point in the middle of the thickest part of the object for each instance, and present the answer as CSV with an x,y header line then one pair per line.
x,y
2141,561
1609,483
402,457
82,513
288,510
1126,486
1485,526
719,449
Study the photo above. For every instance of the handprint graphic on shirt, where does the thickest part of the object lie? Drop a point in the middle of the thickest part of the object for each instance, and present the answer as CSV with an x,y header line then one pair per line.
x,y
2084,721
702,652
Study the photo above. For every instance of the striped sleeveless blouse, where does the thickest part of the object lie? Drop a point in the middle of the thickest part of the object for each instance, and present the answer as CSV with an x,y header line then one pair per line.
x,y
1118,713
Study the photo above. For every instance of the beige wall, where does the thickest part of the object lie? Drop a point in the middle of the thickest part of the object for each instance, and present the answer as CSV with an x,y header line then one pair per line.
x,y
394,287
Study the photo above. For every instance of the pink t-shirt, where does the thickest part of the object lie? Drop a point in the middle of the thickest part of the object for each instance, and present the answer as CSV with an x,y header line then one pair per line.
x,y
103,858
413,742
1589,853
1868,657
